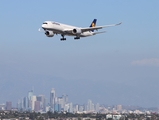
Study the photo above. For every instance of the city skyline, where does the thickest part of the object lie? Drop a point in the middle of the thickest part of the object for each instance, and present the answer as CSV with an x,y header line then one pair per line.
x,y
39,103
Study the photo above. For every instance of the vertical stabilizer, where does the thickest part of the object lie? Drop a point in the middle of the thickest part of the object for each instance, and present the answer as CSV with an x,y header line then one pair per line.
x,y
93,24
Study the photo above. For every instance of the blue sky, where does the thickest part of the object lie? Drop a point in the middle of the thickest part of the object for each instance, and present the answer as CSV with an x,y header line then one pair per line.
x,y
118,67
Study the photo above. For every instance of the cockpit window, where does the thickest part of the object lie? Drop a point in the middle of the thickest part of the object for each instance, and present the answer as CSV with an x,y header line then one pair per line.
x,y
44,23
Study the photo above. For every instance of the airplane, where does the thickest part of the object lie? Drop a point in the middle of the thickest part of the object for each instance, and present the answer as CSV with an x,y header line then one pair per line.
x,y
51,28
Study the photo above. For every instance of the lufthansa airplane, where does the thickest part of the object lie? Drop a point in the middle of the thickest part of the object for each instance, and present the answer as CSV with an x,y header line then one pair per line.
x,y
51,28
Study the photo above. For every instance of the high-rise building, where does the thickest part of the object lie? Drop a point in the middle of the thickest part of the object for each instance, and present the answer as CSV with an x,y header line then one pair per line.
x,y
22,104
2,106
76,108
46,103
41,99
52,99
92,108
97,107
59,107
65,99
89,105
33,99
81,108
19,105
30,94
66,107
85,107
71,108
8,105
37,106
56,107
25,103
60,101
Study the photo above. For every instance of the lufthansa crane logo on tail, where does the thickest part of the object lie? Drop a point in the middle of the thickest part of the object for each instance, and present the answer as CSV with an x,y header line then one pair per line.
x,y
93,25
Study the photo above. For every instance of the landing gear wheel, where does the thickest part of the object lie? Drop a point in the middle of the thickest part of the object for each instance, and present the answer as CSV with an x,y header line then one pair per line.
x,y
76,38
62,38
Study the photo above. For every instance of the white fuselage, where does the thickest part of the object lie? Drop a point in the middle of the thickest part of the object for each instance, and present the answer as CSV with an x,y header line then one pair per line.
x,y
59,28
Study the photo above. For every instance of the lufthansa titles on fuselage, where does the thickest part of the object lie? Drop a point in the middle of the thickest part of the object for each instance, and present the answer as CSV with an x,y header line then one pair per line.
x,y
55,23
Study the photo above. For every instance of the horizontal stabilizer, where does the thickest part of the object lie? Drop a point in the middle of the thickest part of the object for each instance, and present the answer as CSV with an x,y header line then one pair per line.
x,y
99,32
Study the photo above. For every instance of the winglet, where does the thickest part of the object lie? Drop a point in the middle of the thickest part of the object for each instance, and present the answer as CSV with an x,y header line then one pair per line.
x,y
119,23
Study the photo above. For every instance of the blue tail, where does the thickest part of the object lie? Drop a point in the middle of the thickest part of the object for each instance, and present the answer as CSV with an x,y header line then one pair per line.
x,y
93,24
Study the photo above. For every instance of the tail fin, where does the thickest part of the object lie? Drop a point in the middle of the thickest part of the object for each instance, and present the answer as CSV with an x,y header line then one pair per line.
x,y
93,24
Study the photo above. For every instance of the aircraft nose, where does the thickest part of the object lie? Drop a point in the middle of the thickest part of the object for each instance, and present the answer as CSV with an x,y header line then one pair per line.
x,y
42,25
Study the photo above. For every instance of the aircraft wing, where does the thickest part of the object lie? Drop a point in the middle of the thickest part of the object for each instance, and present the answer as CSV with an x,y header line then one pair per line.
x,y
98,27
91,28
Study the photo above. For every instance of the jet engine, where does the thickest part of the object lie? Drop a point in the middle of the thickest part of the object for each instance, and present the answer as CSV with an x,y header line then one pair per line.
x,y
76,31
49,33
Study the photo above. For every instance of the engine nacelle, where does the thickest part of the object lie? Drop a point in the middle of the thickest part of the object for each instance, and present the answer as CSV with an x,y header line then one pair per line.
x,y
49,33
76,31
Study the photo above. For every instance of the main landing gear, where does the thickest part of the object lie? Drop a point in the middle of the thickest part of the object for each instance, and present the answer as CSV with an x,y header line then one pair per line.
x,y
63,38
76,38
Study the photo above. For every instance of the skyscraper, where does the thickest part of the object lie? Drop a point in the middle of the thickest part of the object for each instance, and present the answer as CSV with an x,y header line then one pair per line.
x,y
52,99
2,106
76,107
33,99
22,103
25,99
60,101
97,107
41,99
65,99
30,94
66,107
71,108
81,108
37,106
89,105
19,105
8,105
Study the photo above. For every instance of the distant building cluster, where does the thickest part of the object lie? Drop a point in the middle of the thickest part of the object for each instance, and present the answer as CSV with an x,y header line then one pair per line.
x,y
54,104
61,104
